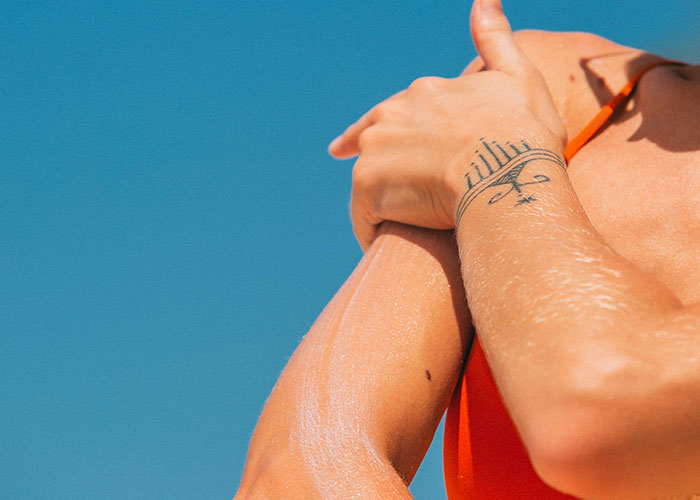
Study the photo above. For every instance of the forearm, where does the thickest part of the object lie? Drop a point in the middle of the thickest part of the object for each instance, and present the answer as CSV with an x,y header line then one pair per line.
x,y
543,285
356,407
277,467
569,328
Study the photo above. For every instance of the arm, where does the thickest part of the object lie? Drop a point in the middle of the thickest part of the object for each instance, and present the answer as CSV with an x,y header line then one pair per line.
x,y
596,360
356,408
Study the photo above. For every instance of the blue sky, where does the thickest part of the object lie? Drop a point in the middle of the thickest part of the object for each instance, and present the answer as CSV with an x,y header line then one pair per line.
x,y
171,224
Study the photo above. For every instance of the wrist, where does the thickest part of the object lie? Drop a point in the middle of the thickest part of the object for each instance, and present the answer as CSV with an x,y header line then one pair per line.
x,y
511,171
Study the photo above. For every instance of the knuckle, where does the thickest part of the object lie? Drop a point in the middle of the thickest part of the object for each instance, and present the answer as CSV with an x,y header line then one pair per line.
x,y
368,138
425,83
374,211
390,111
361,177
381,112
360,214
356,222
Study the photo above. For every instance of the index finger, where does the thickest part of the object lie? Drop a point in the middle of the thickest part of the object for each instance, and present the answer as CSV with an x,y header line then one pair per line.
x,y
346,144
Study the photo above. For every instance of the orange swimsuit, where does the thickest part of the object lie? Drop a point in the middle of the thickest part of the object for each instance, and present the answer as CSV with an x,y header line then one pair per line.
x,y
484,458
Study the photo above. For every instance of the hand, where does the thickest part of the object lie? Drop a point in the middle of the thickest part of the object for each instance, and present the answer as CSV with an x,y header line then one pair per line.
x,y
414,148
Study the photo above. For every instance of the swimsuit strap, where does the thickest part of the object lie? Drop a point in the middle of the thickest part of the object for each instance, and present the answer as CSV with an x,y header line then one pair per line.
x,y
607,111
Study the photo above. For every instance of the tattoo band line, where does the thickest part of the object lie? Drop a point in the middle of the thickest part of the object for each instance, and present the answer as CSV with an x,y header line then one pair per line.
x,y
500,166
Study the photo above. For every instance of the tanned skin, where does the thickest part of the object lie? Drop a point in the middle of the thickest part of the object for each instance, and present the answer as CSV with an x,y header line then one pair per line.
x,y
357,406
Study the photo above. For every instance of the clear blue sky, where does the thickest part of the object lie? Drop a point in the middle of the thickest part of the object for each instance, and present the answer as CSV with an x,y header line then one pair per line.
x,y
170,223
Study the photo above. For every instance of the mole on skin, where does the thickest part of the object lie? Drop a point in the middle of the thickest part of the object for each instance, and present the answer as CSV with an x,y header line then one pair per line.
x,y
427,375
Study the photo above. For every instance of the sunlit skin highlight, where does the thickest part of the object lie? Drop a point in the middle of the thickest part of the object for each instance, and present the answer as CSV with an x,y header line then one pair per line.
x,y
600,275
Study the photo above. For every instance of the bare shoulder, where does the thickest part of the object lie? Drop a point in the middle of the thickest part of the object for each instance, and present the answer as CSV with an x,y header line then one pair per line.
x,y
583,71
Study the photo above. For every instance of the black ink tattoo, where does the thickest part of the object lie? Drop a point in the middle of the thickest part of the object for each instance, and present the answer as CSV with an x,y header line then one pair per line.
x,y
500,166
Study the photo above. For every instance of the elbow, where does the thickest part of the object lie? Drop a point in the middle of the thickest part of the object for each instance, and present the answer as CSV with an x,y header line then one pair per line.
x,y
578,466
586,441
275,472
321,462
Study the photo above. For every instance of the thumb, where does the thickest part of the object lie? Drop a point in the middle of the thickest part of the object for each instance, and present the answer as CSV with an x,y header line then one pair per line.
x,y
493,38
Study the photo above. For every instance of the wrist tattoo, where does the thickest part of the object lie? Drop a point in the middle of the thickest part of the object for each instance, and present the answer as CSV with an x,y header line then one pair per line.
x,y
499,166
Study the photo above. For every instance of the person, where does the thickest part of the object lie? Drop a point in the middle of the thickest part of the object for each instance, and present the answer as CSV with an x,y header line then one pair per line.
x,y
581,281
